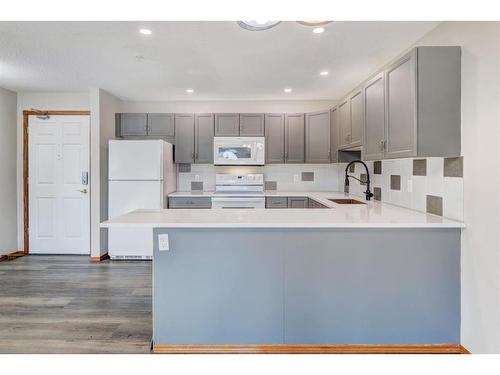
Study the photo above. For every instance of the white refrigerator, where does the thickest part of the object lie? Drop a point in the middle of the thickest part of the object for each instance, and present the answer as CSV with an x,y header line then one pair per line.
x,y
141,175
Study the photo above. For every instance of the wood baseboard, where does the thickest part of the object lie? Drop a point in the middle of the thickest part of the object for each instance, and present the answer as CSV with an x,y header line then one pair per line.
x,y
464,350
309,349
99,258
3,257
13,255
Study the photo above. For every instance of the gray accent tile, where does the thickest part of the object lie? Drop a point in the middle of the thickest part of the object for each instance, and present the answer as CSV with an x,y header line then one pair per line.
x,y
377,167
377,193
270,185
363,178
184,168
197,185
307,176
453,167
352,168
395,182
420,167
434,205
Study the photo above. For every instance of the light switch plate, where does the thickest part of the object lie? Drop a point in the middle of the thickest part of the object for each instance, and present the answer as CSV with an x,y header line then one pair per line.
x,y
163,244
295,178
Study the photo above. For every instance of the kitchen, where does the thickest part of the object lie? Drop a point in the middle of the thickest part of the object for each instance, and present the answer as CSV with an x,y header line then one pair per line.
x,y
329,215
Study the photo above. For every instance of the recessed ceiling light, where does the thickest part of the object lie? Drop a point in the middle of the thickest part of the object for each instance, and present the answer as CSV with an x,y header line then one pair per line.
x,y
287,90
323,73
258,25
189,91
145,31
318,30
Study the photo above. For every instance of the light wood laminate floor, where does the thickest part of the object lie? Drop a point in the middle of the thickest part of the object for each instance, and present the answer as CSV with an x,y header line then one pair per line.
x,y
66,304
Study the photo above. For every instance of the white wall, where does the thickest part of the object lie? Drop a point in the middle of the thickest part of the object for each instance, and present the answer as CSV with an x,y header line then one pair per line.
x,y
480,43
8,188
43,101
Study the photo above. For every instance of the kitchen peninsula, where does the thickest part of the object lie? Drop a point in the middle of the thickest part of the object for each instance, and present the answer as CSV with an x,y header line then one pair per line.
x,y
309,280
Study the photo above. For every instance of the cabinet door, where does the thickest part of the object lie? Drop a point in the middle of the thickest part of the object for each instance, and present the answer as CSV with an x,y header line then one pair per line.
x,y
356,118
334,135
294,138
227,124
161,124
275,138
344,119
374,118
298,202
133,124
401,122
251,124
204,138
318,137
184,138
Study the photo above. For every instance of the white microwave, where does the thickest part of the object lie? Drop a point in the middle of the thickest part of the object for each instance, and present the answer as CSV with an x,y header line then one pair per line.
x,y
239,151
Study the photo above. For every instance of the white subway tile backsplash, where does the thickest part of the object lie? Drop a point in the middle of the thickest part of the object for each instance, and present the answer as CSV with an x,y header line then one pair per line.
x,y
419,193
453,202
435,177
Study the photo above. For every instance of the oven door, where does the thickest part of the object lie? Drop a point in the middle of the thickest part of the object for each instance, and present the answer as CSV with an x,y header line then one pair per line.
x,y
238,202
239,151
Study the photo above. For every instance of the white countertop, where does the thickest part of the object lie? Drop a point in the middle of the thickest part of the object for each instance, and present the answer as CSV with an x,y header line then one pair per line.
x,y
370,215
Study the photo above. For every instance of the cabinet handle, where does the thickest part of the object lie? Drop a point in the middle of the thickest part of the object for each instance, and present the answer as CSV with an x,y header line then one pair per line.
x,y
381,146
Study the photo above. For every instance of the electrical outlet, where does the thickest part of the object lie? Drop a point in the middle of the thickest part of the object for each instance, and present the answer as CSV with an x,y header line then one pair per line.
x,y
409,185
295,178
197,177
163,244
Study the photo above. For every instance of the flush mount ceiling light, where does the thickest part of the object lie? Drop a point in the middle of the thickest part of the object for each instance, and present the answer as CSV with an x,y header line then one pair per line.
x,y
189,91
287,90
258,25
145,31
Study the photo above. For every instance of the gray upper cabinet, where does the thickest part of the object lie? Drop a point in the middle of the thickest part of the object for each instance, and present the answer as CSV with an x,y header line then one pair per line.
x,y
227,124
204,138
318,137
184,138
161,124
251,124
275,137
344,123
401,121
357,122
294,138
374,98
334,135
131,124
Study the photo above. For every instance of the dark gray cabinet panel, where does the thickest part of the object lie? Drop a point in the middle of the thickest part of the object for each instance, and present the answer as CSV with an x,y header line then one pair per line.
x,y
314,204
318,137
298,202
276,202
204,138
401,120
294,138
374,118
184,138
227,124
275,138
161,124
133,124
357,122
344,121
189,202
251,124
334,135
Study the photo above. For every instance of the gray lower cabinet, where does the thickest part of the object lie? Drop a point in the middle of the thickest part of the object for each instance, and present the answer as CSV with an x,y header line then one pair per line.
x,y
276,202
334,135
344,123
357,122
227,124
374,118
298,202
161,124
318,137
251,124
315,204
275,138
294,138
132,124
184,138
204,138
189,202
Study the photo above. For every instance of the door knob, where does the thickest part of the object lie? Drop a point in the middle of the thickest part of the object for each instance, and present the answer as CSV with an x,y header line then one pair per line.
x,y
84,191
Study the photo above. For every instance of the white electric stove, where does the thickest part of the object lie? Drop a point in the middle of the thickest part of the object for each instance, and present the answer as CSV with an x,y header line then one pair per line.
x,y
239,191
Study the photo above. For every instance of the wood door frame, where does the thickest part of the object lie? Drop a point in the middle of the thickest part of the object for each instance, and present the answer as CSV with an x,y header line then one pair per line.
x,y
26,201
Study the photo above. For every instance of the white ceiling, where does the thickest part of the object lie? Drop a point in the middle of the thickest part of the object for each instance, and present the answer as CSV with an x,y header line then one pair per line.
x,y
219,60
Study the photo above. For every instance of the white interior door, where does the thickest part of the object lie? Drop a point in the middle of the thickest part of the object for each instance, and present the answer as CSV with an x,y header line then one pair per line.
x,y
59,186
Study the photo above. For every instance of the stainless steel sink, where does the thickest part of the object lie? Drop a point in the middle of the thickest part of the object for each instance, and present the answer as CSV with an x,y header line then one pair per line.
x,y
346,201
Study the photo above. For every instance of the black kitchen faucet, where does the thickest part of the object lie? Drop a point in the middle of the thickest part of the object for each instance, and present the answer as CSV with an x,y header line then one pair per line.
x,y
368,193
